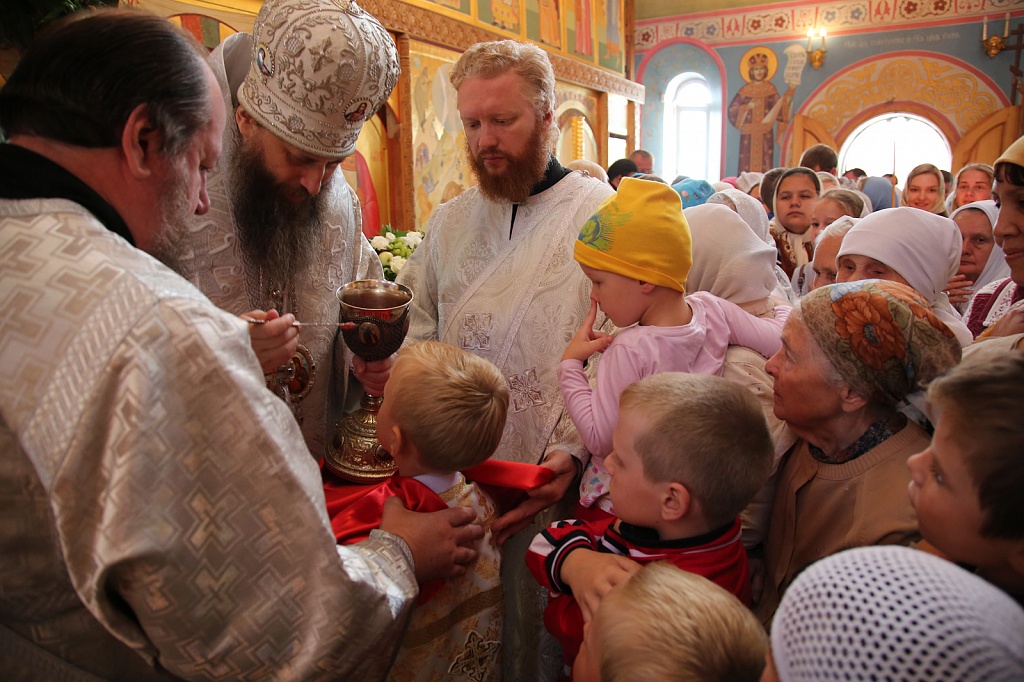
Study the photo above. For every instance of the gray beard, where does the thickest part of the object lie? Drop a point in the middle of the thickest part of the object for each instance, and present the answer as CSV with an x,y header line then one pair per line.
x,y
175,211
278,238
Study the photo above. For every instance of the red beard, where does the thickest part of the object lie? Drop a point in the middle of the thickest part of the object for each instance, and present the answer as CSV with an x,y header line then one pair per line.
x,y
522,173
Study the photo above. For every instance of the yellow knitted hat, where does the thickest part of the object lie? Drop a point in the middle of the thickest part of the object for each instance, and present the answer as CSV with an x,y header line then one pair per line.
x,y
1013,154
639,232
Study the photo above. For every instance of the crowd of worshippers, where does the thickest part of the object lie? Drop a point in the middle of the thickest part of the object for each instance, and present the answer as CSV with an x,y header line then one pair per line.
x,y
767,430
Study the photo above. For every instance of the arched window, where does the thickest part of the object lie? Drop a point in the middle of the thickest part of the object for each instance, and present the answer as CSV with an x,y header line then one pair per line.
x,y
895,143
693,130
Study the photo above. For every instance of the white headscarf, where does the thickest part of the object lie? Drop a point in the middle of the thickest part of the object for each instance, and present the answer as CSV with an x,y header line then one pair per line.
x,y
749,209
922,247
748,180
729,261
996,267
868,208
753,214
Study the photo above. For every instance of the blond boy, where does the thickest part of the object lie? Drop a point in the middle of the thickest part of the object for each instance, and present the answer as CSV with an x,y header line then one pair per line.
x,y
689,452
967,486
668,625
444,411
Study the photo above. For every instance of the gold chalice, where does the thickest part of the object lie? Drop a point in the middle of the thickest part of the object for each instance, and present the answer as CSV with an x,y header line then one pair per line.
x,y
378,311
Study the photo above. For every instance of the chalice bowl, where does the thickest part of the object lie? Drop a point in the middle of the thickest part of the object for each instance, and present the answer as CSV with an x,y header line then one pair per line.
x,y
378,313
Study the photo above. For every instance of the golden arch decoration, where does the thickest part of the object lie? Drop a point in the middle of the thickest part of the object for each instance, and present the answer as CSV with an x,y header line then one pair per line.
x,y
937,87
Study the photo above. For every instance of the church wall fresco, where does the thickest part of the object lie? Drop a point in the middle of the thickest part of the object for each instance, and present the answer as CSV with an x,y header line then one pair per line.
x,y
924,53
589,31
439,163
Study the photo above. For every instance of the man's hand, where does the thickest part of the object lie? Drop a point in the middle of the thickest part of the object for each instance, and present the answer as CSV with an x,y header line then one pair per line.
x,y
275,341
373,375
959,289
538,499
441,542
587,340
592,574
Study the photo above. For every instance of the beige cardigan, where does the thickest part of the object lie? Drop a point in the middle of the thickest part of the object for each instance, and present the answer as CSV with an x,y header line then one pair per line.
x,y
821,509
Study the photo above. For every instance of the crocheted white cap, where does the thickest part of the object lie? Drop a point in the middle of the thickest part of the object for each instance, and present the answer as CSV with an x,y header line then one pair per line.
x,y
895,613
320,68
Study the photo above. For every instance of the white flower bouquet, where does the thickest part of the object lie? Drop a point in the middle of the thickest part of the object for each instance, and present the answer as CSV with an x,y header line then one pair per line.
x,y
394,247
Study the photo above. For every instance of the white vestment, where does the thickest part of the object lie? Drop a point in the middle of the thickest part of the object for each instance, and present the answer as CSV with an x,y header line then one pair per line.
x,y
214,262
159,514
455,635
516,302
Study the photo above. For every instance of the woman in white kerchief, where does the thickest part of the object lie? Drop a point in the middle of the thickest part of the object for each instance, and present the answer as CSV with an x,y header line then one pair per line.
x,y
730,261
752,212
733,263
912,247
981,260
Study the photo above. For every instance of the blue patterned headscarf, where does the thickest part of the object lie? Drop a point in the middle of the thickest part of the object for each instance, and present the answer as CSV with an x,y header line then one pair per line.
x,y
693,192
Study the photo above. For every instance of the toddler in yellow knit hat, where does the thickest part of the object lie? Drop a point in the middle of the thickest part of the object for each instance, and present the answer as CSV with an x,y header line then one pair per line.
x,y
636,252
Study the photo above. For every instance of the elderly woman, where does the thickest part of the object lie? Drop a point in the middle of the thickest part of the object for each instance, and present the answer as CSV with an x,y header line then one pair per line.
x,y
981,260
997,310
850,353
912,247
826,251
749,182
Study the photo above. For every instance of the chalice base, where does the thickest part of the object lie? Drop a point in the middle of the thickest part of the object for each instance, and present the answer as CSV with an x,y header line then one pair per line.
x,y
354,453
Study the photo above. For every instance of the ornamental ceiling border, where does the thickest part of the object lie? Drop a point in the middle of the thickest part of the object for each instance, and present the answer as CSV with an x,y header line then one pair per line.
x,y
433,27
791,21
946,85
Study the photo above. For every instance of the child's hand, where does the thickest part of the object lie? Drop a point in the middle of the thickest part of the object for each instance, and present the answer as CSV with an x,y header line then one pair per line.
x,y
372,375
587,340
591,575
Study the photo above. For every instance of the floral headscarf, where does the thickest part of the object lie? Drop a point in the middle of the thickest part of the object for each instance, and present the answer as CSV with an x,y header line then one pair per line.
x,y
880,336
693,192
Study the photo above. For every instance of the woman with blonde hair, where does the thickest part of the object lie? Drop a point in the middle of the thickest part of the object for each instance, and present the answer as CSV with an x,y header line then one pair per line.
x,y
925,189
973,183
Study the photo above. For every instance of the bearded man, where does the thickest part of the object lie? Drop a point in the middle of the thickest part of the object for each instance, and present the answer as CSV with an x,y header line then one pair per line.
x,y
161,518
284,229
495,275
